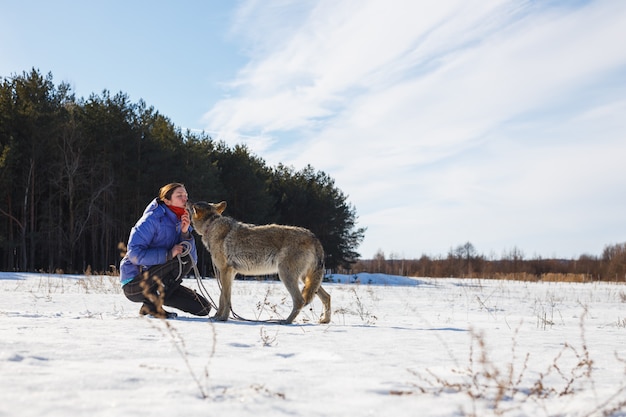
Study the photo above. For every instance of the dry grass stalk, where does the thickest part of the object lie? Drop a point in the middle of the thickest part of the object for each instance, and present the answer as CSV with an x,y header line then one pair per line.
x,y
505,388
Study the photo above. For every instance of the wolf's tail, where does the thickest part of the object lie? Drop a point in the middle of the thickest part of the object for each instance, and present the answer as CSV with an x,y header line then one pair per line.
x,y
314,276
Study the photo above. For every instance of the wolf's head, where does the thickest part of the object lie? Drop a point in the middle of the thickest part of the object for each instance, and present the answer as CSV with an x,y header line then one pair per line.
x,y
202,213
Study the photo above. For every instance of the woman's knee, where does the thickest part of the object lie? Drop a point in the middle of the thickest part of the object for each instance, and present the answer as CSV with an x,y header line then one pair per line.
x,y
133,291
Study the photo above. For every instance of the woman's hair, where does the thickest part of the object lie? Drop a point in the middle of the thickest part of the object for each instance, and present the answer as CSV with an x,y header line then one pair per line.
x,y
167,190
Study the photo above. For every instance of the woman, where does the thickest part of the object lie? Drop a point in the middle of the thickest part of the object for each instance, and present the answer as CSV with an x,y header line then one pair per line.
x,y
160,251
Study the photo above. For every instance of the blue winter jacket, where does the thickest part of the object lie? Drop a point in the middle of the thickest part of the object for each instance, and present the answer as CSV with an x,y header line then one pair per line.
x,y
151,240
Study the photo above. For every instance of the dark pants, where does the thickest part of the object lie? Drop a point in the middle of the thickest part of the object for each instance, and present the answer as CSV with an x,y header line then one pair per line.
x,y
160,285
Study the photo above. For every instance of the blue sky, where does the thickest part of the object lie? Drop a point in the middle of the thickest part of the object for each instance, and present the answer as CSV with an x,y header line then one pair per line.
x,y
495,122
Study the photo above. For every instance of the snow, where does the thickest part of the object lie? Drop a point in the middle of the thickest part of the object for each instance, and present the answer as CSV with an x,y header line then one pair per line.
x,y
396,346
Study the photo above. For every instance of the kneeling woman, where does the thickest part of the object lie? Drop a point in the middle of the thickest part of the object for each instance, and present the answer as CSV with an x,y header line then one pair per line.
x,y
151,272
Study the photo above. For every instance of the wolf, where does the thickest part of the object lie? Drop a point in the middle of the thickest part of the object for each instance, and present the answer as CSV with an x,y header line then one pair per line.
x,y
295,253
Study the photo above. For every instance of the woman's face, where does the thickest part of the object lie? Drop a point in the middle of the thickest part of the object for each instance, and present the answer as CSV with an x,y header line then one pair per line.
x,y
179,198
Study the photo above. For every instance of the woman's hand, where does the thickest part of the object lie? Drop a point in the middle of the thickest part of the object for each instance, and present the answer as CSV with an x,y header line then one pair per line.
x,y
177,250
185,222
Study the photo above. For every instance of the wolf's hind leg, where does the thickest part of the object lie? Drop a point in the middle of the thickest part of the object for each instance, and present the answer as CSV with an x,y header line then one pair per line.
x,y
291,282
294,313
325,297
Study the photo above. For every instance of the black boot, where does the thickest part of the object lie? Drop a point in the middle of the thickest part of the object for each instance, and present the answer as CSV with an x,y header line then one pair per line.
x,y
148,309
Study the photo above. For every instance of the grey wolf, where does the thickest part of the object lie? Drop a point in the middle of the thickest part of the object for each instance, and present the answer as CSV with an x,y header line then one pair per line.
x,y
294,253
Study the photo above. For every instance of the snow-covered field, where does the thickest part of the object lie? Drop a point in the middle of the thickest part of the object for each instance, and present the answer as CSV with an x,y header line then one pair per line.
x,y
75,346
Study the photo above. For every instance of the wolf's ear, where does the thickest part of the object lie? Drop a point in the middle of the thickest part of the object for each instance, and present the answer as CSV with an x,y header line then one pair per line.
x,y
220,207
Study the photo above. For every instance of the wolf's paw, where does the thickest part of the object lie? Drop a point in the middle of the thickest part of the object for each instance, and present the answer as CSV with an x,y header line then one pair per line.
x,y
219,318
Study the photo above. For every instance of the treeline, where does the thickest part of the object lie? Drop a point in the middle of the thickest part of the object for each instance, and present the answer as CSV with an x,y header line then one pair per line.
x,y
76,174
465,262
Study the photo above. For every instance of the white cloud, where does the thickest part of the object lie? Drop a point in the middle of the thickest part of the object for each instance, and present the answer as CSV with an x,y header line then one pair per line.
x,y
443,117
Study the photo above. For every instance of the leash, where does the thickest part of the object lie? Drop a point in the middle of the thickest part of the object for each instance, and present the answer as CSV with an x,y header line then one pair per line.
x,y
203,291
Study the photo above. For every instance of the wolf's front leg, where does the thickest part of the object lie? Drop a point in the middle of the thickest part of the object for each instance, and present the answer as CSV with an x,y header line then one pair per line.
x,y
226,277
